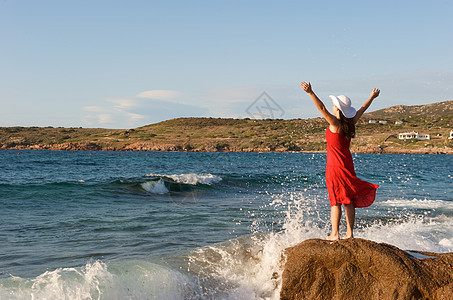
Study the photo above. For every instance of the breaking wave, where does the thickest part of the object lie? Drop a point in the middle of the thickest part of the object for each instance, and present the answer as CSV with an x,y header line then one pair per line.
x,y
127,279
191,178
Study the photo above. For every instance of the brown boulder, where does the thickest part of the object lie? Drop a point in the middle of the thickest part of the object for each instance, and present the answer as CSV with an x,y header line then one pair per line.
x,y
362,269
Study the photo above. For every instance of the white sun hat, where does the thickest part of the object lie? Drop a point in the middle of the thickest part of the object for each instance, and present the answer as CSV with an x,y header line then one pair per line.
x,y
344,104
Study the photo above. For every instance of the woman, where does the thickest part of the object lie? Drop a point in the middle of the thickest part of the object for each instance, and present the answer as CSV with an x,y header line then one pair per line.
x,y
342,183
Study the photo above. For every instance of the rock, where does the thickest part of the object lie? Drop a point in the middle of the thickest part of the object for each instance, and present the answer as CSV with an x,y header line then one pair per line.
x,y
127,132
362,269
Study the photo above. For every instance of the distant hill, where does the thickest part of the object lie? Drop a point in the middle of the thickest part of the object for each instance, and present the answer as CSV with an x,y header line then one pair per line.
x,y
218,134
434,110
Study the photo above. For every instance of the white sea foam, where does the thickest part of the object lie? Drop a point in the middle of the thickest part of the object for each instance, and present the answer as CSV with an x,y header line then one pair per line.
x,y
122,280
155,187
419,255
447,243
417,203
416,233
191,178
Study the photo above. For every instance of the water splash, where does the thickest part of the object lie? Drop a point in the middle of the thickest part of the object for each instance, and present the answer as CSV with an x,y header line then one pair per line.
x,y
155,187
250,267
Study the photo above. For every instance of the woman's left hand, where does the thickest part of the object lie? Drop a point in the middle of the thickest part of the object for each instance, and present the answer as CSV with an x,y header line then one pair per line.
x,y
375,93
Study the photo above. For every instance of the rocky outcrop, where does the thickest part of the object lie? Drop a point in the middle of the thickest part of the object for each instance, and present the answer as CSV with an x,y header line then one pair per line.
x,y
362,269
392,150
92,146
88,146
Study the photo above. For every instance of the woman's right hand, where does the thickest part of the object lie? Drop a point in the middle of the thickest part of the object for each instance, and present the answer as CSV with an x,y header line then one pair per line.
x,y
306,87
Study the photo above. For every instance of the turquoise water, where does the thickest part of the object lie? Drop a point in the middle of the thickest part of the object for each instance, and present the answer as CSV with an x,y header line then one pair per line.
x,y
175,225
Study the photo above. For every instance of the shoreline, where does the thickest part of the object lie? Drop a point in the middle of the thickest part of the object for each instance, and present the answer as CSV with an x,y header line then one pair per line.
x,y
173,148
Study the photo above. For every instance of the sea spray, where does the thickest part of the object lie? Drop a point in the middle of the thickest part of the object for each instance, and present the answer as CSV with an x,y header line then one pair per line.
x,y
250,267
155,187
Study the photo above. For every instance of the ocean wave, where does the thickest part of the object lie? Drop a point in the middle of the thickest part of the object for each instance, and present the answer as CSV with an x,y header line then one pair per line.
x,y
178,184
419,204
190,178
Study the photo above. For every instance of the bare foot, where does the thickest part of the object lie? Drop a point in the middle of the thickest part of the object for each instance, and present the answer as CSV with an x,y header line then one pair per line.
x,y
348,237
332,238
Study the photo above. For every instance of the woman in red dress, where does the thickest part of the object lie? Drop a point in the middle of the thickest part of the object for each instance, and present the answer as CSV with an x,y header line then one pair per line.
x,y
342,183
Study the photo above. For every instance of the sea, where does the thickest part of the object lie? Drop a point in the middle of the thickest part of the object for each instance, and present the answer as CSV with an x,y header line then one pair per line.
x,y
187,225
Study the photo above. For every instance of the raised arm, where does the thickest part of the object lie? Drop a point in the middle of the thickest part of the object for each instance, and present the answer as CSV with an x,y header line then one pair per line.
x,y
359,113
319,105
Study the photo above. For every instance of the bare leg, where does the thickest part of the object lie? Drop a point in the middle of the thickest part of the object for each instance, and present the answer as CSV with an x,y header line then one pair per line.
x,y
335,216
350,219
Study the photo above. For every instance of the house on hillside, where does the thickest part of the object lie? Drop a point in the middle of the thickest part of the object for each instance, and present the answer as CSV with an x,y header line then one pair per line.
x,y
398,123
451,135
377,122
422,136
413,135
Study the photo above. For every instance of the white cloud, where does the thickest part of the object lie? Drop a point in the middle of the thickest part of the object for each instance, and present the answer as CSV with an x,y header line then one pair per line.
x,y
110,115
134,116
93,108
159,94
124,103
143,109
105,118
98,119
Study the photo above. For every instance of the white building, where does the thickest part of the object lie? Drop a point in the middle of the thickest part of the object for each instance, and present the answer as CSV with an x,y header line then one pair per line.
x,y
451,135
413,135
422,136
398,123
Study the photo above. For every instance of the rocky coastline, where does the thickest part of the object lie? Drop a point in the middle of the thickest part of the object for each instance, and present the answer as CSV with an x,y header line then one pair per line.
x,y
91,146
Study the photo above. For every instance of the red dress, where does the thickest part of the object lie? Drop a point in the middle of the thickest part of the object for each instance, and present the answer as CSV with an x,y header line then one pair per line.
x,y
342,183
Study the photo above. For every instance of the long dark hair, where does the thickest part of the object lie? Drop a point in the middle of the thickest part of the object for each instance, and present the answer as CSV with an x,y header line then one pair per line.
x,y
347,126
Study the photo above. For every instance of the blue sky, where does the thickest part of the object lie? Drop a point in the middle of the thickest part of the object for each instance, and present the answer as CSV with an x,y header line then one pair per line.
x,y
124,64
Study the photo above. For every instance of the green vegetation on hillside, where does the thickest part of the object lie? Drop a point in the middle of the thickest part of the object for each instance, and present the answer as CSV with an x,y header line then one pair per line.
x,y
216,134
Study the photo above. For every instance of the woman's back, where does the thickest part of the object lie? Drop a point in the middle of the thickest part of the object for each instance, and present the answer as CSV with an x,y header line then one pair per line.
x,y
338,154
